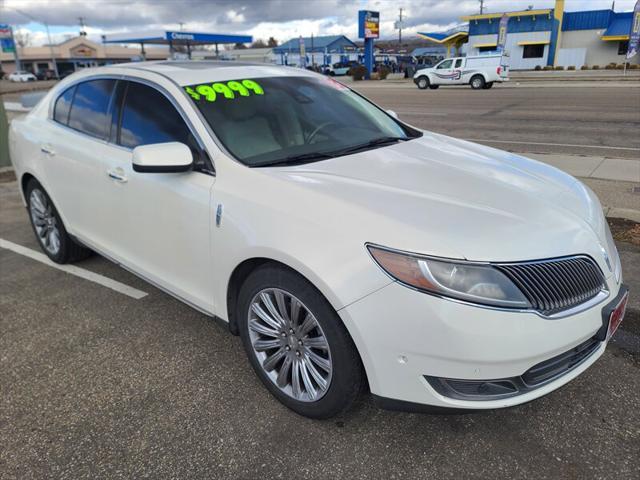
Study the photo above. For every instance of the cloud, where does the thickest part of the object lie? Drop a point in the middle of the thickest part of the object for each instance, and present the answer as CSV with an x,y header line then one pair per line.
x,y
282,19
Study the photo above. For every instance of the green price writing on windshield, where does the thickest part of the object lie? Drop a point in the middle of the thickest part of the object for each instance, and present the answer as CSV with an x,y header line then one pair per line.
x,y
211,91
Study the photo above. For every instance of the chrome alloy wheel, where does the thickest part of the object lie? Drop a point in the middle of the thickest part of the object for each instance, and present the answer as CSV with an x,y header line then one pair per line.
x,y
44,221
290,345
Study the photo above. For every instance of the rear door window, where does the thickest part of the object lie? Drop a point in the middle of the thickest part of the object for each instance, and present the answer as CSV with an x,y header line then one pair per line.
x,y
90,106
63,105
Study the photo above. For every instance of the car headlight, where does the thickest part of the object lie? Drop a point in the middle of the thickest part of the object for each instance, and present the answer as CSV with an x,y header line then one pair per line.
x,y
476,283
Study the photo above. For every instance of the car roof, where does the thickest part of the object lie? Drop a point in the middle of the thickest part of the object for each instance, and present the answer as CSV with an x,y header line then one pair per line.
x,y
201,71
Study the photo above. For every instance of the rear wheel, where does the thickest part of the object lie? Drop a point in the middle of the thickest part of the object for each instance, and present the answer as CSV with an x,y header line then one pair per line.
x,y
297,344
423,83
48,227
488,85
477,82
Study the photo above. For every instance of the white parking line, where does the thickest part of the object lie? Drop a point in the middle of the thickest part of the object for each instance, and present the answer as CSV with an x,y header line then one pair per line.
x,y
486,140
73,270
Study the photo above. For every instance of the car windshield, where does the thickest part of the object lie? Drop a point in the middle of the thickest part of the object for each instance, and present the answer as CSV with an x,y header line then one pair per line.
x,y
290,120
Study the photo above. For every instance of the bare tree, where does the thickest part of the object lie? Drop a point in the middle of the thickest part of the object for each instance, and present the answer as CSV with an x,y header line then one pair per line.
x,y
259,43
272,42
22,38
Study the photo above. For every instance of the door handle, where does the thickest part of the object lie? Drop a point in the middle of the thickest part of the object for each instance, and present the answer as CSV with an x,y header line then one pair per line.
x,y
47,150
117,175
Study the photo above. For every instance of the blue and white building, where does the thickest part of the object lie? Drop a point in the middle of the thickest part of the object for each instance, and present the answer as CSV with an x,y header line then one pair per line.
x,y
546,37
325,50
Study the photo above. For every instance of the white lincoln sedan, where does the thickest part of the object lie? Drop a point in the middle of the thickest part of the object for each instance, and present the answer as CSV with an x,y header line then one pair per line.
x,y
350,251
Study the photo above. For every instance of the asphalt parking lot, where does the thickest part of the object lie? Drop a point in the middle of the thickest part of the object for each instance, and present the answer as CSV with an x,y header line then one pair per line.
x,y
98,384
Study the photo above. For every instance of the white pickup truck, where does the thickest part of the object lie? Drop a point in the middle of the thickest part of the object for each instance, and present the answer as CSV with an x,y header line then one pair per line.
x,y
480,72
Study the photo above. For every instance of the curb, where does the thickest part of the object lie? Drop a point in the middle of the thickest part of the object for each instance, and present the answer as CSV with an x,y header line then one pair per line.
x,y
624,213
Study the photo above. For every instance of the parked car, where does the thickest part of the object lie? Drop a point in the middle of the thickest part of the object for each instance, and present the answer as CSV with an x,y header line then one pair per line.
x,y
46,74
22,76
481,72
348,249
340,68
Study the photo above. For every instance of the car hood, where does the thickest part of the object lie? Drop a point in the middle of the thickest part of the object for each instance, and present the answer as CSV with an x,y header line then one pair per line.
x,y
446,197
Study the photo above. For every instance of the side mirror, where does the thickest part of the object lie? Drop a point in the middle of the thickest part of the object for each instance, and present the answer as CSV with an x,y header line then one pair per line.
x,y
392,113
168,157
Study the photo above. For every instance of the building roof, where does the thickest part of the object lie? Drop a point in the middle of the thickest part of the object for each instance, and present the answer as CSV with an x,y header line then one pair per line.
x,y
81,48
520,13
329,42
587,20
620,27
617,25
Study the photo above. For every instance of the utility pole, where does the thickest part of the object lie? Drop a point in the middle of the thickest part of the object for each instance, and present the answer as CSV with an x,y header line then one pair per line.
x,y
46,26
181,24
400,28
83,33
481,7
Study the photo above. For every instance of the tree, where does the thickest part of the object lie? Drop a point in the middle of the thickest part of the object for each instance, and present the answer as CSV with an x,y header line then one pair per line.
x,y
22,38
240,46
259,43
272,42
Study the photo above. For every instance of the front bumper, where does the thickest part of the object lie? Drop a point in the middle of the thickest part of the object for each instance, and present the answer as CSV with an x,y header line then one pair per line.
x,y
407,339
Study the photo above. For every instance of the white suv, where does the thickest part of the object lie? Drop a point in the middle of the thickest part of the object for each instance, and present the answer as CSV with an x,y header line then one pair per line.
x,y
347,248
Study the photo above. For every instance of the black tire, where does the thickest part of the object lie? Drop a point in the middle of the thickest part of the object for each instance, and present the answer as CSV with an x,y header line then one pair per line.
x,y
347,378
488,85
434,87
423,83
69,250
477,82
332,73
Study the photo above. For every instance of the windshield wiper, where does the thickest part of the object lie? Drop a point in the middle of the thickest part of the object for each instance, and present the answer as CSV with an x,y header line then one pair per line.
x,y
378,142
296,159
313,156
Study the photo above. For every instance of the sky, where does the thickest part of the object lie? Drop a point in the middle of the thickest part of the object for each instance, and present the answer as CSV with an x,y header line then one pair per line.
x,y
282,19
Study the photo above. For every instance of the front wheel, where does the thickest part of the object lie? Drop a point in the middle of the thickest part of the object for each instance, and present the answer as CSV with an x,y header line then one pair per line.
x,y
297,343
477,82
48,227
488,85
423,83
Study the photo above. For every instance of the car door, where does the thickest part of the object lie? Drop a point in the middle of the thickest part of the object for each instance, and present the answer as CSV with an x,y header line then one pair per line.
x,y
73,148
458,66
163,221
444,72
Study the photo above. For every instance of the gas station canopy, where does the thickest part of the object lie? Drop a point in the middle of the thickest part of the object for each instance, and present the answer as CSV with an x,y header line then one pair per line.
x,y
175,38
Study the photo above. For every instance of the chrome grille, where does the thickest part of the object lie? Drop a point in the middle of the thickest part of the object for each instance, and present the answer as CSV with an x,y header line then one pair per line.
x,y
552,286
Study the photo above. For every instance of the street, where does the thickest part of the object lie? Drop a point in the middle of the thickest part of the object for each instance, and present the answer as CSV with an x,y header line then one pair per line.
x,y
556,119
